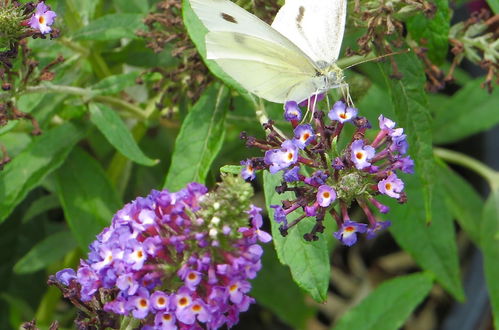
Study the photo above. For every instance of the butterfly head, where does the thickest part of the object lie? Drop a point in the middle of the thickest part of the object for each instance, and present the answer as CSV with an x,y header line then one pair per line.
x,y
331,77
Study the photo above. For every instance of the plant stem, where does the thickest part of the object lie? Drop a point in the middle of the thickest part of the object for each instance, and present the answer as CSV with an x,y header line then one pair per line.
x,y
87,95
489,174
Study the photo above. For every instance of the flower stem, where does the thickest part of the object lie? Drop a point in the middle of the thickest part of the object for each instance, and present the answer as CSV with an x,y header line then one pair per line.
x,y
489,174
87,96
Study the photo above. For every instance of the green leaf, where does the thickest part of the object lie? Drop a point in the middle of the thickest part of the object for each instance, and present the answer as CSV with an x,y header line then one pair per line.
x,y
274,288
389,305
469,111
432,245
116,132
432,33
40,206
200,139
411,107
114,84
463,201
132,6
490,249
46,252
308,261
494,5
87,198
28,169
112,27
197,32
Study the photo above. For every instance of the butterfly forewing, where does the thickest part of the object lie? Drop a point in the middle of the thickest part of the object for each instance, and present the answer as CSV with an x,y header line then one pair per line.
x,y
225,16
316,27
264,68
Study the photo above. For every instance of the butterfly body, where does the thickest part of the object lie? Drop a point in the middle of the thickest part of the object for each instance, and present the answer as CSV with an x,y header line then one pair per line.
x,y
292,59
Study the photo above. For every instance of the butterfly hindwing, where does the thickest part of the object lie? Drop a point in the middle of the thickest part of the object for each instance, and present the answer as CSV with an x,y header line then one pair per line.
x,y
316,27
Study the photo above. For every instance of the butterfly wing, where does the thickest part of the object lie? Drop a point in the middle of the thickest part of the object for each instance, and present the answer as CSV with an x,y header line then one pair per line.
x,y
267,69
226,16
316,27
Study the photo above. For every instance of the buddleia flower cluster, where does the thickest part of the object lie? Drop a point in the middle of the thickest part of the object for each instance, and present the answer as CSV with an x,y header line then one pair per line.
x,y
171,260
325,179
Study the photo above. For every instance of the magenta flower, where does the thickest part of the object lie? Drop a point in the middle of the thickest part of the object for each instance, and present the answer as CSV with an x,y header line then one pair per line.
x,y
42,19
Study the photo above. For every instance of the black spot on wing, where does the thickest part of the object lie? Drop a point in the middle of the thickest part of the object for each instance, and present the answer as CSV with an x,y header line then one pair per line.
x,y
228,18
299,17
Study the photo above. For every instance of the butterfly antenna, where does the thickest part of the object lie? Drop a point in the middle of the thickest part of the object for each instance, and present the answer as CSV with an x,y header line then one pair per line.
x,y
379,57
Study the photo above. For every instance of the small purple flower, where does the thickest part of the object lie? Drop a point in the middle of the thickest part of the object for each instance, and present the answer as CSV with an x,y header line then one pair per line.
x,y
42,18
385,123
326,195
292,111
318,178
304,134
160,301
248,172
378,226
391,186
65,276
311,210
279,159
406,165
361,154
139,304
292,175
279,214
340,112
165,321
348,232
399,144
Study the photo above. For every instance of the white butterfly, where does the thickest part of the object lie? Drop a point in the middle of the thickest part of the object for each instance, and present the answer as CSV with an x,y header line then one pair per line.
x,y
288,61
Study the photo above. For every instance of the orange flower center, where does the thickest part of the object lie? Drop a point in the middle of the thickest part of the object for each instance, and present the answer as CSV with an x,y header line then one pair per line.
x,y
306,136
143,302
326,194
196,308
167,317
388,186
359,155
343,116
182,301
350,229
161,301
290,155
41,20
192,276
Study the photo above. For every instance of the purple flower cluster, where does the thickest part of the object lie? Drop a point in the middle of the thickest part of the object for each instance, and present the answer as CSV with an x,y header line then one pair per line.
x,y
359,173
175,260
